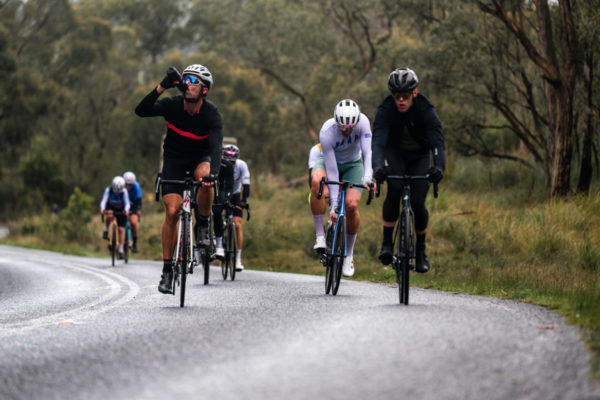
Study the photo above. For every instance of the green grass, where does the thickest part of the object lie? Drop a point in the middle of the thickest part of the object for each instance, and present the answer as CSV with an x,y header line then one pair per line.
x,y
506,242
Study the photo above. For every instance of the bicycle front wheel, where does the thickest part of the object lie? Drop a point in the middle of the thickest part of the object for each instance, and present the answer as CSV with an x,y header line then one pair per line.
x,y
184,257
113,242
233,250
404,241
329,267
338,254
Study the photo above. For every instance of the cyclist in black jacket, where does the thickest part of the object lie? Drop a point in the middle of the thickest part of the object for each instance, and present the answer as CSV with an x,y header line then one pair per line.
x,y
406,132
193,143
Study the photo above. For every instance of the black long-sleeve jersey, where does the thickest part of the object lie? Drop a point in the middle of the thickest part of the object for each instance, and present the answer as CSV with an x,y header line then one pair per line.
x,y
188,136
225,180
418,130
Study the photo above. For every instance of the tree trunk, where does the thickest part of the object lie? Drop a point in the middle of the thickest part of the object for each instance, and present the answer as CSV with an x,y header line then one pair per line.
x,y
585,175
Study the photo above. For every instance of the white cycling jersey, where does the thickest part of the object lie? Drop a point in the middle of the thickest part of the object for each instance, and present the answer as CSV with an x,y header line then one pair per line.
x,y
241,175
313,156
338,149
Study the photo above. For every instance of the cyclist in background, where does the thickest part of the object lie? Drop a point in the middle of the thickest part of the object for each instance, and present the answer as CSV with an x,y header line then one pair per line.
x,y
115,198
406,131
241,191
223,195
193,143
135,198
316,171
346,143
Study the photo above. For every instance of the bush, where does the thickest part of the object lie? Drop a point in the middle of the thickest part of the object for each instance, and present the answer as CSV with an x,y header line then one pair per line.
x,y
77,215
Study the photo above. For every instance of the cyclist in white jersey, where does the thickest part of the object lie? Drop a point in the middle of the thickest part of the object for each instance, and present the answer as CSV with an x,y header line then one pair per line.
x,y
346,144
241,191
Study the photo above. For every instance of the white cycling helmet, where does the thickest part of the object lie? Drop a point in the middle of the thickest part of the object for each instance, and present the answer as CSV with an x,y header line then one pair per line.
x,y
201,72
231,152
118,184
346,114
129,177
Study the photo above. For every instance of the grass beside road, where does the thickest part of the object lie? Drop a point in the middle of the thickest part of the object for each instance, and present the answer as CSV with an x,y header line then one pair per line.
x,y
502,243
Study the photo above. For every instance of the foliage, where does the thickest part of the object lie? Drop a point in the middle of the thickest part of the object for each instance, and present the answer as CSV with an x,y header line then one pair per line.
x,y
74,72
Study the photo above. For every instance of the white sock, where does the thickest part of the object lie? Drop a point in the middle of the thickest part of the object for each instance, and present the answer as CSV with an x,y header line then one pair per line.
x,y
219,240
318,221
350,239
238,255
120,248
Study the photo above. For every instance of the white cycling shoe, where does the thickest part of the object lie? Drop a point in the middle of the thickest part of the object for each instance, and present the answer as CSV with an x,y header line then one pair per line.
x,y
220,253
320,244
238,264
348,267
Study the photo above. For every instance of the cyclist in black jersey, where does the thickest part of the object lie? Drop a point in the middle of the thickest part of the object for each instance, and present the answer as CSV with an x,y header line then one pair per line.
x,y
223,195
406,132
193,143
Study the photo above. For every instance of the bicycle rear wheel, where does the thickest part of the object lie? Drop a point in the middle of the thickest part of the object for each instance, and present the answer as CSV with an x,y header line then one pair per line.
x,y
338,254
184,257
113,242
233,248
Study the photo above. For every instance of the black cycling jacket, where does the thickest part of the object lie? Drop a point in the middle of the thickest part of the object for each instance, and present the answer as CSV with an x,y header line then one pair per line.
x,y
225,181
420,121
189,137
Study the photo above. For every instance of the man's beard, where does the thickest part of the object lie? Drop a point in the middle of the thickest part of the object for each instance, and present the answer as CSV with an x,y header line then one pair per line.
x,y
192,99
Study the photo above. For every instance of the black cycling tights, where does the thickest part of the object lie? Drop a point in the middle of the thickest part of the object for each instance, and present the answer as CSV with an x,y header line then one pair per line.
x,y
218,219
407,165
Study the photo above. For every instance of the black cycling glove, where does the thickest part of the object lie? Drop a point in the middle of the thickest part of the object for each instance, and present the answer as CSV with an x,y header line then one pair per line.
x,y
435,174
381,174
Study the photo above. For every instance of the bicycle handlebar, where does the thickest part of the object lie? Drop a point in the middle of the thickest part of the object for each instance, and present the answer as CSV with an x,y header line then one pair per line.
x,y
229,205
187,181
408,178
345,185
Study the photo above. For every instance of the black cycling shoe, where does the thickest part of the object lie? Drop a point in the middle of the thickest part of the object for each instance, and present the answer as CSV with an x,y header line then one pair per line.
x,y
203,236
105,235
385,255
422,263
134,247
121,255
166,283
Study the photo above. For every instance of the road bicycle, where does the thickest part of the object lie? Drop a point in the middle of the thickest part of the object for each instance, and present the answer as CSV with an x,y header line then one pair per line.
x,y
184,257
335,254
230,240
405,237
113,237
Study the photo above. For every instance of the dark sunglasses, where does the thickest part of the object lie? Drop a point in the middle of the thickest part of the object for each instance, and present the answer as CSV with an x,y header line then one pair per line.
x,y
191,79
403,95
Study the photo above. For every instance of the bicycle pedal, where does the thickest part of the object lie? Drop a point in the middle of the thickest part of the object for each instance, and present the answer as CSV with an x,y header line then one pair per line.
x,y
411,267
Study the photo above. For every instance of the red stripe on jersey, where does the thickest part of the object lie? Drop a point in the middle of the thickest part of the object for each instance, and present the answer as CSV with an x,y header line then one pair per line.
x,y
185,133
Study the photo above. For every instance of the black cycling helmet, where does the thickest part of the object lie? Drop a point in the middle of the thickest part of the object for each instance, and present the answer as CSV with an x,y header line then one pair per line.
x,y
402,80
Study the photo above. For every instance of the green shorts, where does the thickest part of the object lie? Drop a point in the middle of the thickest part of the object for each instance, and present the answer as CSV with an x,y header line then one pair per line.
x,y
352,171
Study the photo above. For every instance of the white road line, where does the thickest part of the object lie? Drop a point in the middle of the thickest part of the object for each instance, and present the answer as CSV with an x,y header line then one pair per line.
x,y
108,299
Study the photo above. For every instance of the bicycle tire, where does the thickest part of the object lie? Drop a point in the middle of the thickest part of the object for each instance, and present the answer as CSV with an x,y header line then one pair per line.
x,y
113,242
338,254
224,262
184,258
233,241
329,267
126,237
403,256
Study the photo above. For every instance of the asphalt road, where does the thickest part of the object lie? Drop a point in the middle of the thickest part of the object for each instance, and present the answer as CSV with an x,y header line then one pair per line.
x,y
71,327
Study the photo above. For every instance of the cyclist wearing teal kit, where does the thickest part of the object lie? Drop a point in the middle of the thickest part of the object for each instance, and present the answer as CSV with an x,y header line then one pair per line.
x,y
346,144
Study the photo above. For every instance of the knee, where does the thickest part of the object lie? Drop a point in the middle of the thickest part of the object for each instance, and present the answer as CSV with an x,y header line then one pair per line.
x,y
352,208
171,214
